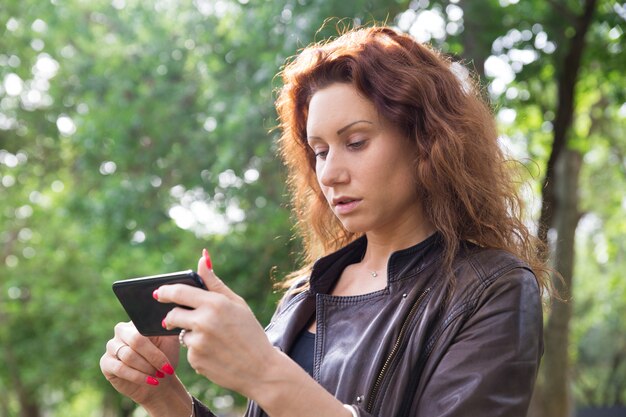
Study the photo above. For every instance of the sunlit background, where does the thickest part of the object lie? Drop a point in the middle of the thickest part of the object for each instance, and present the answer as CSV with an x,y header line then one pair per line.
x,y
133,134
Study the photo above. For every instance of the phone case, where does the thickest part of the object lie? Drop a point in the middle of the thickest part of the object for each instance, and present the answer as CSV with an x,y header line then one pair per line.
x,y
146,313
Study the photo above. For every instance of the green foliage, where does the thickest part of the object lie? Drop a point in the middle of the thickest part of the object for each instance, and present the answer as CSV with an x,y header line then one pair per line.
x,y
132,135
599,365
526,43
138,133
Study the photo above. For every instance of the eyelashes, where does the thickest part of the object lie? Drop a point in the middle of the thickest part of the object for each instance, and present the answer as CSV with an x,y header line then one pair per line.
x,y
358,144
352,146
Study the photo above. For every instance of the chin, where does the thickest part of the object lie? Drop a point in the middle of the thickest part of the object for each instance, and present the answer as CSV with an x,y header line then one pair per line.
x,y
354,227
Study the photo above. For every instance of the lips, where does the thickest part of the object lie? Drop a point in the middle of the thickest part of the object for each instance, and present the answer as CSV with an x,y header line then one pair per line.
x,y
344,205
342,200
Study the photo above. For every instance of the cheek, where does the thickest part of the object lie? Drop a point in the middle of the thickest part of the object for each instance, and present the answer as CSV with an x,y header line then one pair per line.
x,y
323,190
318,177
400,181
324,194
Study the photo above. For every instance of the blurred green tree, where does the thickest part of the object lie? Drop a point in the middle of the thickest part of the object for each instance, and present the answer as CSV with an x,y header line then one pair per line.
x,y
132,134
545,66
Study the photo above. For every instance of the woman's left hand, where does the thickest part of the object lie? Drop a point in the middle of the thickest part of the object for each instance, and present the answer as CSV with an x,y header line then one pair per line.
x,y
225,341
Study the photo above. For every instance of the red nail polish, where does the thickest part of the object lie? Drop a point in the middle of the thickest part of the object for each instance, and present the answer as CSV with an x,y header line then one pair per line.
x,y
160,374
152,380
155,294
207,259
167,368
163,324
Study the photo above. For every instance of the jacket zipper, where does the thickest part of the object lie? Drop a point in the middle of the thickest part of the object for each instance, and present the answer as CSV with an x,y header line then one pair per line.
x,y
394,351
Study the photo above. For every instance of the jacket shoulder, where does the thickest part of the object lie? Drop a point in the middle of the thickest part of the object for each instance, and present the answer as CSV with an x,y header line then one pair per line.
x,y
296,290
486,266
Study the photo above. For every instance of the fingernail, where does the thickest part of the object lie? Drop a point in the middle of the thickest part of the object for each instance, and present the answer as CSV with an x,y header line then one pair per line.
x,y
152,380
167,368
163,324
155,294
207,259
160,374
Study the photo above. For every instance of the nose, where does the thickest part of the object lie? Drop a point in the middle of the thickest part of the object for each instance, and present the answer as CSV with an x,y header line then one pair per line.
x,y
333,170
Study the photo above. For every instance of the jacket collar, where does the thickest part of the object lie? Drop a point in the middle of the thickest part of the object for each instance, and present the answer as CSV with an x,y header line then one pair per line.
x,y
402,264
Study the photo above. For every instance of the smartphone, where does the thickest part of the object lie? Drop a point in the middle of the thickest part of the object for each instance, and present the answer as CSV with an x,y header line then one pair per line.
x,y
146,313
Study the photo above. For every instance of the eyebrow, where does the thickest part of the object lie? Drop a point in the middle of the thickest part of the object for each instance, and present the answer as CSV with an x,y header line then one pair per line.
x,y
348,126
343,129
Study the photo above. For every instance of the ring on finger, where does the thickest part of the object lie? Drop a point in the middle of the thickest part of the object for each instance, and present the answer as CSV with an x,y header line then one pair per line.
x,y
117,351
181,337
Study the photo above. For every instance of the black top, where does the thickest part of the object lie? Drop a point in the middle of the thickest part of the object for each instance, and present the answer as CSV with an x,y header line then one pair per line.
x,y
302,353
302,350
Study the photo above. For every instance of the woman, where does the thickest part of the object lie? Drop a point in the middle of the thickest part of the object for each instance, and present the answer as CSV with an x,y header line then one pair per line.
x,y
421,295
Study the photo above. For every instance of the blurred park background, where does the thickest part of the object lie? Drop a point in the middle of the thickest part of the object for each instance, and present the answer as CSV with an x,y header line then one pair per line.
x,y
134,133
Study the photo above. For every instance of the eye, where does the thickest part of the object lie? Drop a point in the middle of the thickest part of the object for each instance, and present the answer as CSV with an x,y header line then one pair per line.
x,y
357,144
320,154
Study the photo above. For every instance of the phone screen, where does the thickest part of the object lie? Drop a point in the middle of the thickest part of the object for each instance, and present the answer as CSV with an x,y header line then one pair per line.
x,y
146,313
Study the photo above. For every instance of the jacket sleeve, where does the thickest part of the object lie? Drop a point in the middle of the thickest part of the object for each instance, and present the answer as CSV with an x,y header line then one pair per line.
x,y
491,364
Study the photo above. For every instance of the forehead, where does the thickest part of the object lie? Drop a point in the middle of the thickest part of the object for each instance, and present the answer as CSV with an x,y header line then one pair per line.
x,y
339,104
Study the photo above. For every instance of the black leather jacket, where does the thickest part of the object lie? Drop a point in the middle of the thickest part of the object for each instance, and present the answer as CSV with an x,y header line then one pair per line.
x,y
420,347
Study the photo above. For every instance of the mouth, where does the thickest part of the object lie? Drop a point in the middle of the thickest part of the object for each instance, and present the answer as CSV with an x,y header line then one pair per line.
x,y
342,201
345,205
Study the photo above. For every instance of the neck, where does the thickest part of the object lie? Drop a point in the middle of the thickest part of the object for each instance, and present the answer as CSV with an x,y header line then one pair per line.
x,y
381,246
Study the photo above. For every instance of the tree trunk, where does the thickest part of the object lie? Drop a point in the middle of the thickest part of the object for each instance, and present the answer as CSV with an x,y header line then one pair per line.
x,y
4,403
555,399
559,211
567,78
479,23
29,406
116,405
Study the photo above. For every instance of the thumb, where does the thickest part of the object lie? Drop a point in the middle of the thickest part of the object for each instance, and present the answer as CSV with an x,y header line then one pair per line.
x,y
212,282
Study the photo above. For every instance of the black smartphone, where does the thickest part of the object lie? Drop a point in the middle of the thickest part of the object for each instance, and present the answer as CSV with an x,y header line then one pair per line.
x,y
146,313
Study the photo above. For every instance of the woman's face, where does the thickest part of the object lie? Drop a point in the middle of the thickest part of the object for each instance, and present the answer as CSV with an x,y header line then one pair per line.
x,y
364,165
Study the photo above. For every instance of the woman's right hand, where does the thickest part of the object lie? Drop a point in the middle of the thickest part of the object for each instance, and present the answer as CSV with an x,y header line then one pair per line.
x,y
140,367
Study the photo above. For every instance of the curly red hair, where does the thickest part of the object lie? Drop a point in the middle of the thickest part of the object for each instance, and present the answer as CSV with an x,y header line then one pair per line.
x,y
464,181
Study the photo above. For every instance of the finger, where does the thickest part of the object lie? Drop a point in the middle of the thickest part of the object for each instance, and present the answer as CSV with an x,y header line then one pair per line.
x,y
125,354
197,348
114,346
128,334
194,319
212,282
182,294
113,368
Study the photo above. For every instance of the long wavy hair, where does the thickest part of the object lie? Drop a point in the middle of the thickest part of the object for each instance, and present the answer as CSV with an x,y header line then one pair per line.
x,y
465,183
